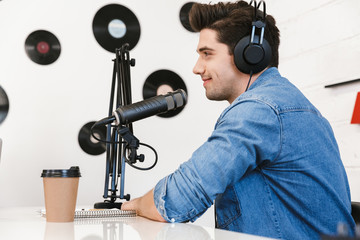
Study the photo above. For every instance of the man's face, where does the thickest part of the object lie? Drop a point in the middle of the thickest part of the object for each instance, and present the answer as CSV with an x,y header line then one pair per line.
x,y
217,68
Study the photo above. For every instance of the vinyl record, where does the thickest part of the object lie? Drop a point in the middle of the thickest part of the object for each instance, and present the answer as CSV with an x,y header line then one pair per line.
x,y
4,105
88,143
42,47
184,16
114,25
161,82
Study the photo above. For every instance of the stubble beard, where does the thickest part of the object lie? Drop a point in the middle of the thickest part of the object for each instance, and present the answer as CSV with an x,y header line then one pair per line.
x,y
215,95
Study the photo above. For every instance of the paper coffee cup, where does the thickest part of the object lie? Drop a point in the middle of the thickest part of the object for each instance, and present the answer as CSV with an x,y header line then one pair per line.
x,y
60,191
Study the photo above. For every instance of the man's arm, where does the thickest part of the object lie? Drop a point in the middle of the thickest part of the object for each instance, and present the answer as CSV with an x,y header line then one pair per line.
x,y
144,207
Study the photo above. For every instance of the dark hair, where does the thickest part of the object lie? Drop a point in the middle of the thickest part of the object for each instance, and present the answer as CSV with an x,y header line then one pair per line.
x,y
232,21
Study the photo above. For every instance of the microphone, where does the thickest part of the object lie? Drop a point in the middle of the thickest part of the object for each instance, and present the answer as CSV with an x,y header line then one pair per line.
x,y
149,107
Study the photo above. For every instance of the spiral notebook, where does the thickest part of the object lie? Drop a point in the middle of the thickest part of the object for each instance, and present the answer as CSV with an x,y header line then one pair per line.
x,y
99,213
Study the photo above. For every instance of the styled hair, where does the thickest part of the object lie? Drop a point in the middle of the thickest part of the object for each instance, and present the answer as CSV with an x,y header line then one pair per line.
x,y
232,21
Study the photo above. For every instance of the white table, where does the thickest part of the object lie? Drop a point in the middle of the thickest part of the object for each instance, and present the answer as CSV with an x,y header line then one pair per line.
x,y
27,223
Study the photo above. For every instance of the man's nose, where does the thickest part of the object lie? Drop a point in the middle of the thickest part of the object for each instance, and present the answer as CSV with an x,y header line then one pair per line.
x,y
199,67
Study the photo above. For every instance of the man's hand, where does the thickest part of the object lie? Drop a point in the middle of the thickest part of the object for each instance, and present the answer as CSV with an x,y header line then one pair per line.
x,y
144,206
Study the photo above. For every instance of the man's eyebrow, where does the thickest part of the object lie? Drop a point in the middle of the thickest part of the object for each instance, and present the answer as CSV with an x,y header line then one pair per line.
x,y
204,49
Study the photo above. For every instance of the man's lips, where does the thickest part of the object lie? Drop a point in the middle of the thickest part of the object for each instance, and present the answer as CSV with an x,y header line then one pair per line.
x,y
206,80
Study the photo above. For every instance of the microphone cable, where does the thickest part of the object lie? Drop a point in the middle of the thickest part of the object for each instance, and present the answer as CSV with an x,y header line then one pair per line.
x,y
109,120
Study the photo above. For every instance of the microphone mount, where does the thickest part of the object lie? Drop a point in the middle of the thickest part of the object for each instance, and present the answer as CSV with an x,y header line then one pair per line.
x,y
133,144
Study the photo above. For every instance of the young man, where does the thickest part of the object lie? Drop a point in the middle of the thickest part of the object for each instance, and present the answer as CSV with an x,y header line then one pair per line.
x,y
272,164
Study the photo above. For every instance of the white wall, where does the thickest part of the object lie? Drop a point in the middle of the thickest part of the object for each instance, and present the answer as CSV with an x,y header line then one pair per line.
x,y
49,104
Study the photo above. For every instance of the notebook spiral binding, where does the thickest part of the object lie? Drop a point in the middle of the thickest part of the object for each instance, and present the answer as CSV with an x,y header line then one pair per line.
x,y
100,213
104,213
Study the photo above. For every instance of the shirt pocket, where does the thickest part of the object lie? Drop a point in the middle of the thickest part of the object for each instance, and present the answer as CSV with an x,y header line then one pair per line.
x,y
227,207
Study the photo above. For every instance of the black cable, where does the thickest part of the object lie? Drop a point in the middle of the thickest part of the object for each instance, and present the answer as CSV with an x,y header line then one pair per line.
x,y
107,121
148,168
251,73
103,121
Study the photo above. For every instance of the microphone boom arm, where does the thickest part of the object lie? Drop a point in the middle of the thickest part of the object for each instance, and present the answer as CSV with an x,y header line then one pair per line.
x,y
121,140
115,148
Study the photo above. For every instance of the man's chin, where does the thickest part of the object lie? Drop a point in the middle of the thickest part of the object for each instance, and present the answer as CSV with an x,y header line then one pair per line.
x,y
214,98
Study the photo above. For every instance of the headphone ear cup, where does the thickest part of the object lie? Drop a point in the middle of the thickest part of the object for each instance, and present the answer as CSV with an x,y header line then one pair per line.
x,y
252,57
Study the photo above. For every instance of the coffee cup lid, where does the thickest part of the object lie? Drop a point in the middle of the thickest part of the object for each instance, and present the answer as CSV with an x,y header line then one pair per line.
x,y
72,172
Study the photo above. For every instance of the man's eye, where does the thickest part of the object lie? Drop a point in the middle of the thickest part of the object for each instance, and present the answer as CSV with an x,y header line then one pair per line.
x,y
206,54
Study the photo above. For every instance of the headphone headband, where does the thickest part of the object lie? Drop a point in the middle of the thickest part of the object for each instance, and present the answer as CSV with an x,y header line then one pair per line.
x,y
252,54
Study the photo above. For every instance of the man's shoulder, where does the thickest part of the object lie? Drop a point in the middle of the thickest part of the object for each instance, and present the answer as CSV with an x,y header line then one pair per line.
x,y
278,93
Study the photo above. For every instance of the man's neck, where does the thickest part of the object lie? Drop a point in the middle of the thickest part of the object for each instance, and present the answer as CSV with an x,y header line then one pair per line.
x,y
244,78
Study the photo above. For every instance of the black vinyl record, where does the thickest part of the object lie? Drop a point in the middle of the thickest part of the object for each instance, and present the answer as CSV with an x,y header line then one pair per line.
x,y
4,105
161,82
42,47
115,25
184,16
88,143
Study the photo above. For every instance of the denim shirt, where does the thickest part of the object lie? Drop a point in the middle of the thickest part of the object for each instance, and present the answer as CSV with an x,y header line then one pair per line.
x,y
272,165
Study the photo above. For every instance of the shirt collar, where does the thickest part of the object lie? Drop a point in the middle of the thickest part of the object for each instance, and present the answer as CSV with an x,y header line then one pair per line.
x,y
268,73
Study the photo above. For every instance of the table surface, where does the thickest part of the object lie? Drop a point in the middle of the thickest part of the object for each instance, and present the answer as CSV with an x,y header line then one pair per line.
x,y
27,223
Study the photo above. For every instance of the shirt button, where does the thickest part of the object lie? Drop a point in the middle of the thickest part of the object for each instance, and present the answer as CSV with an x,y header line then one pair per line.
x,y
161,207
172,220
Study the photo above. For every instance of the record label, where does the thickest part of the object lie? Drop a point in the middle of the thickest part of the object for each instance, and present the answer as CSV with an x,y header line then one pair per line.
x,y
115,25
4,105
161,82
88,143
117,28
42,47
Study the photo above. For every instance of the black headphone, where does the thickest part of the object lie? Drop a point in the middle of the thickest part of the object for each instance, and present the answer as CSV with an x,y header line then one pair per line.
x,y
252,53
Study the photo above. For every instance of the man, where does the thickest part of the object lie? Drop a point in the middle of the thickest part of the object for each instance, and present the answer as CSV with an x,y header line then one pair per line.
x,y
272,164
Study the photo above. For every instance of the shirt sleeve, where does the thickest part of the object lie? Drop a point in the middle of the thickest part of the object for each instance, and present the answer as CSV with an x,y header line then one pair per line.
x,y
247,134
